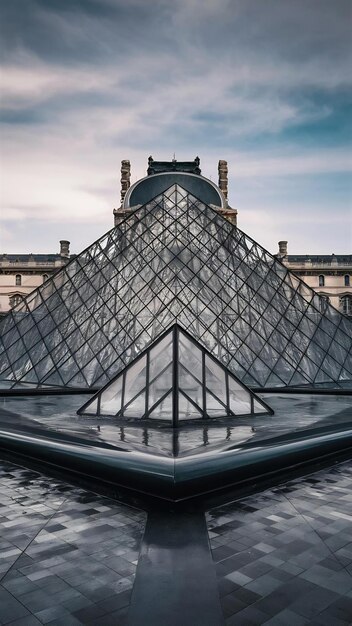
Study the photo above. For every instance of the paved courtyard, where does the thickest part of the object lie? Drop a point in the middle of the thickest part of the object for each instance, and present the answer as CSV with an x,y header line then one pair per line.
x,y
284,556
69,556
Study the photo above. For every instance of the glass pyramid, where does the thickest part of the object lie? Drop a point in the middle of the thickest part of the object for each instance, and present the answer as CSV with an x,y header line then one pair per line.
x,y
175,379
175,260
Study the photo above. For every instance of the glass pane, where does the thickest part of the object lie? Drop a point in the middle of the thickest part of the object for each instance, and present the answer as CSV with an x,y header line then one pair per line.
x,y
164,409
240,398
92,408
136,408
186,410
214,408
160,356
257,407
240,407
190,356
190,386
135,379
160,386
110,399
215,378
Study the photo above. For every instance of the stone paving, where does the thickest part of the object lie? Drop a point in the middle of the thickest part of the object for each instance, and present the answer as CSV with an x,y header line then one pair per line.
x,y
67,556
284,556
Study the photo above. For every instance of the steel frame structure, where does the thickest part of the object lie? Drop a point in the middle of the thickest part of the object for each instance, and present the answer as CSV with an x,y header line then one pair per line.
x,y
184,368
175,260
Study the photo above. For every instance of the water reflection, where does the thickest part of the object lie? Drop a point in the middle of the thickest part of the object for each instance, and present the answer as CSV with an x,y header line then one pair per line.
x,y
58,414
176,442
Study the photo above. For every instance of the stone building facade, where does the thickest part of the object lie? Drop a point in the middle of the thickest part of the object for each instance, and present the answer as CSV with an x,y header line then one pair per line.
x,y
146,187
21,273
330,275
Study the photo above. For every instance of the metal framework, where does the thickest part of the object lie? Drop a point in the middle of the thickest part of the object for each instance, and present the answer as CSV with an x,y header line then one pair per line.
x,y
175,260
175,379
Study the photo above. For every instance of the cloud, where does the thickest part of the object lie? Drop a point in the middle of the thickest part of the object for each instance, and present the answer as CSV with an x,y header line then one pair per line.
x,y
28,85
86,83
324,161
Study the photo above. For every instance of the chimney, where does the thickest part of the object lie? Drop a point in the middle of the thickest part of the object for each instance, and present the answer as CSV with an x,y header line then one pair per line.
x,y
65,248
223,178
282,248
125,178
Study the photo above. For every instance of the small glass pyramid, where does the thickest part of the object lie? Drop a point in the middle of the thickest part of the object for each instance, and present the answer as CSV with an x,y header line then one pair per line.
x,y
175,379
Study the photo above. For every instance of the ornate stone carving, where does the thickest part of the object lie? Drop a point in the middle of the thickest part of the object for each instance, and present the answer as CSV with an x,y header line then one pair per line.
x,y
125,178
223,177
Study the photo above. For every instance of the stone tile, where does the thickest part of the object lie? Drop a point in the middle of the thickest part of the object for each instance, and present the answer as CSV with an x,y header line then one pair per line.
x,y
341,609
29,620
250,616
302,543
89,613
11,609
287,618
311,604
69,556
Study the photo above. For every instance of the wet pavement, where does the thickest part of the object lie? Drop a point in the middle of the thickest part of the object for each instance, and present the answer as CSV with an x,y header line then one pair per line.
x,y
57,414
282,556
67,556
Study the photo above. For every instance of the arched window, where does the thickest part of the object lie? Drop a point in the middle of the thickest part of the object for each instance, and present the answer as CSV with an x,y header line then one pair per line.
x,y
323,303
347,280
45,277
321,280
346,305
18,279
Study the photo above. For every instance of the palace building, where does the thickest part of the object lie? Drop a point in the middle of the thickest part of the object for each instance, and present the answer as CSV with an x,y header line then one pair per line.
x,y
178,367
21,273
329,275
175,256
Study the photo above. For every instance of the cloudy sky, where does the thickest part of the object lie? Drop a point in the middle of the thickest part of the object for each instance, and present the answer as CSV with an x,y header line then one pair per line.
x,y
263,84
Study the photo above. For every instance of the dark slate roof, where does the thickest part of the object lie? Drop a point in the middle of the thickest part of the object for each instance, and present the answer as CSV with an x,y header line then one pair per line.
x,y
321,258
40,258
30,257
156,167
151,186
